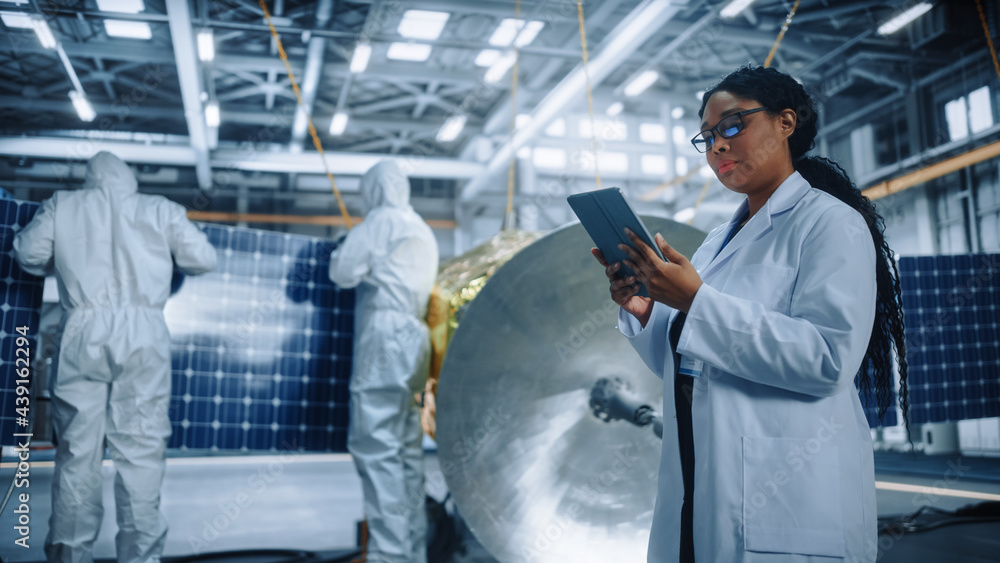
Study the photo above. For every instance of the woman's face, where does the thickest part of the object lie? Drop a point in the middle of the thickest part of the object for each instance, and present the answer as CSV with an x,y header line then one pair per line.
x,y
756,158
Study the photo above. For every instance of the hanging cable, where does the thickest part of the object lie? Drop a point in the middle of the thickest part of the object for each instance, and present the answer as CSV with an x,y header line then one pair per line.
x,y
781,34
590,94
508,222
302,105
989,38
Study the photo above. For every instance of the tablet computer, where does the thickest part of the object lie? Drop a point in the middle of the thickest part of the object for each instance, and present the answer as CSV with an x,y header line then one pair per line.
x,y
605,214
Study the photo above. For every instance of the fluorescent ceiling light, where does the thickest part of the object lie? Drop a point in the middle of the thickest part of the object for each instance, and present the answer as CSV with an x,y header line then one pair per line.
x,y
706,172
421,24
487,57
734,8
44,34
451,129
898,22
408,52
507,31
677,112
639,84
500,68
212,118
359,60
19,20
338,123
128,29
522,120
524,152
16,2
83,107
681,166
614,109
206,45
699,94
125,6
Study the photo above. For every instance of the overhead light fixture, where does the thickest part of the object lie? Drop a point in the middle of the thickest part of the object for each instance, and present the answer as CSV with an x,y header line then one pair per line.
x,y
515,32
359,60
699,94
500,67
23,20
128,29
677,112
19,20
338,124
487,57
639,84
422,24
212,118
206,45
15,2
451,129
614,109
900,21
44,34
408,52
83,107
124,6
734,9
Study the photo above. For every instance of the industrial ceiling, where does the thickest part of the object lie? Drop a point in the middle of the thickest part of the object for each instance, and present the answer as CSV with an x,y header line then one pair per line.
x,y
434,92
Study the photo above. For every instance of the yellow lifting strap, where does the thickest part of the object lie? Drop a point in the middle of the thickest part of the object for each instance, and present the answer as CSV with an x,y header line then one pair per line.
x,y
989,38
781,34
508,219
302,105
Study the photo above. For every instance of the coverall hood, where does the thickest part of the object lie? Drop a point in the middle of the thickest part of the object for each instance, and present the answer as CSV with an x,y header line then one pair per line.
x,y
107,171
385,184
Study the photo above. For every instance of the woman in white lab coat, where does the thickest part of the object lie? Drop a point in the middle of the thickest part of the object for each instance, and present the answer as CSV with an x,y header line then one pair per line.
x,y
767,454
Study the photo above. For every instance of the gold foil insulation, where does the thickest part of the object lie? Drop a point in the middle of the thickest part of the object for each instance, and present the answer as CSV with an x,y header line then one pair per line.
x,y
459,281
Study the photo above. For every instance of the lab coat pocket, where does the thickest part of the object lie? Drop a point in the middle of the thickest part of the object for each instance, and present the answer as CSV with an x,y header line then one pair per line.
x,y
768,285
791,497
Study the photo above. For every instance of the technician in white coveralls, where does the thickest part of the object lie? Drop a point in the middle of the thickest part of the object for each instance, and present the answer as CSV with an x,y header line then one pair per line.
x,y
392,257
113,252
767,454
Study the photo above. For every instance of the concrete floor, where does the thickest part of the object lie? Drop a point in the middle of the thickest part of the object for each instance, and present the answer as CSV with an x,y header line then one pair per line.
x,y
312,502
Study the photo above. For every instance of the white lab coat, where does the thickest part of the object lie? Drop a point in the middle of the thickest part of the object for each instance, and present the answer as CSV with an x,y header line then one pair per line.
x,y
784,469
392,257
113,252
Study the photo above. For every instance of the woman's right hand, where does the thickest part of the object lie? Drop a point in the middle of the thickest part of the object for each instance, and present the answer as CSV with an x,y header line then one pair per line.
x,y
623,290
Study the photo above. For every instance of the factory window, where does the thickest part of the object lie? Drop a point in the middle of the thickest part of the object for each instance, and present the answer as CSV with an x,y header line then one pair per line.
x,y
606,160
654,164
652,133
969,114
557,128
980,110
548,157
680,135
607,129
681,166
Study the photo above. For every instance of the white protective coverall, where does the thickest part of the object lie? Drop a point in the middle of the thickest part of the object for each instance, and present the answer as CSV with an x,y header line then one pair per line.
x,y
112,251
392,257
783,463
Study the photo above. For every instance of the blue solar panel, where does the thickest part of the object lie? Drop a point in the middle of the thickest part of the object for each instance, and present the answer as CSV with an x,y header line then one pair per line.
x,y
261,347
21,302
950,307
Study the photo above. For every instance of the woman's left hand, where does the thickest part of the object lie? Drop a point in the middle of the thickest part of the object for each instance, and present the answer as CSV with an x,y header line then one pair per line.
x,y
673,283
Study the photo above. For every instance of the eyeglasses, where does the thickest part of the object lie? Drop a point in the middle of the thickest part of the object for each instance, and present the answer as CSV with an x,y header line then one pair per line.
x,y
727,127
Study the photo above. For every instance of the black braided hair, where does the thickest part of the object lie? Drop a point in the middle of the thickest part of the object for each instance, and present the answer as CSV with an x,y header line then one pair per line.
x,y
778,91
